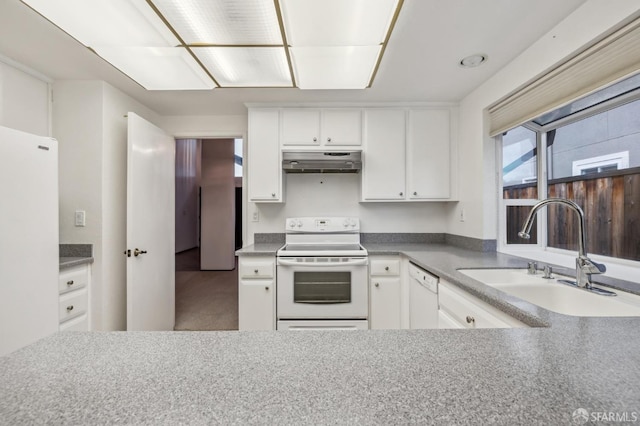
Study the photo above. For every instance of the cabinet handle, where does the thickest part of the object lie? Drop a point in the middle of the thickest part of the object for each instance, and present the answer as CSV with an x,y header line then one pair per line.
x,y
69,308
470,319
315,139
401,194
273,194
266,288
255,271
328,139
415,193
386,268
70,282
377,284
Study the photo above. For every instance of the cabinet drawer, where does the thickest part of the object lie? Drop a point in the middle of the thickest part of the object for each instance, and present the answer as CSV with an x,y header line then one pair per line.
x,y
80,323
73,278
72,304
253,269
471,312
385,267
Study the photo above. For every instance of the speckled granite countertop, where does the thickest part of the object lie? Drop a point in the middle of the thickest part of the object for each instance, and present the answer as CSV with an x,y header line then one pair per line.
x,y
69,262
500,376
75,254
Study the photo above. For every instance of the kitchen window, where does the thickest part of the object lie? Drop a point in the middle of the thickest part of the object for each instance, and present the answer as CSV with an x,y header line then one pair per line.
x,y
588,152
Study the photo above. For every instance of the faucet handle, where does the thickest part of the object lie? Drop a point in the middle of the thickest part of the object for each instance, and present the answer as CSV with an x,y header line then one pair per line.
x,y
532,267
592,267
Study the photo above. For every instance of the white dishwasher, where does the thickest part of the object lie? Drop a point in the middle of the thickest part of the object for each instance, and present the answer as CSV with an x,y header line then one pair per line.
x,y
423,298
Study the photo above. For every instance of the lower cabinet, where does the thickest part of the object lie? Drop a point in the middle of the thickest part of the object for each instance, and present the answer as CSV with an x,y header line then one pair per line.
x,y
74,301
256,293
385,292
459,309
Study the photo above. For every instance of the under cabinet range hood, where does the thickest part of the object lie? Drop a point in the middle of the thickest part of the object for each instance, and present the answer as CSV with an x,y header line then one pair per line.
x,y
321,161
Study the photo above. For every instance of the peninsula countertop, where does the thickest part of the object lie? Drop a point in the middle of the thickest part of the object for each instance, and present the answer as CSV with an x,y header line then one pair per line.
x,y
538,375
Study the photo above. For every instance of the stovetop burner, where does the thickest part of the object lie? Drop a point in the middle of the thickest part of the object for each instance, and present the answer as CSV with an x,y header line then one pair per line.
x,y
322,236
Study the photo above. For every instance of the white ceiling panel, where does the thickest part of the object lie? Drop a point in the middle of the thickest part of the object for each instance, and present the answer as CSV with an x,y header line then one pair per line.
x,y
223,22
246,66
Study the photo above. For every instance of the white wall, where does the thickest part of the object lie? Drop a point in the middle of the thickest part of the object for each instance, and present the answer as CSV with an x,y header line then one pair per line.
x,y
24,99
477,150
90,125
338,195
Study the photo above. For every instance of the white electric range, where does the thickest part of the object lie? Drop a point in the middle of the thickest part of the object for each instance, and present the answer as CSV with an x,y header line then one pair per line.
x,y
322,275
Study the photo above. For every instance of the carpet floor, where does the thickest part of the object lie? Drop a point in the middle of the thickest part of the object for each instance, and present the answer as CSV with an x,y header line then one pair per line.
x,y
205,300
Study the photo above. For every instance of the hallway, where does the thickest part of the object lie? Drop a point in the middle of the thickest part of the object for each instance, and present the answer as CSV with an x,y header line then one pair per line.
x,y
205,300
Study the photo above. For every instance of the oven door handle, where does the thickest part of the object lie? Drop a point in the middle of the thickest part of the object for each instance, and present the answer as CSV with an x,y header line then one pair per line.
x,y
352,262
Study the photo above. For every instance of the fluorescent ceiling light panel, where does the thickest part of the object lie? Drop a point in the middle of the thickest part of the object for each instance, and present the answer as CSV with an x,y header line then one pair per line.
x,y
158,68
337,22
101,23
341,67
223,22
246,66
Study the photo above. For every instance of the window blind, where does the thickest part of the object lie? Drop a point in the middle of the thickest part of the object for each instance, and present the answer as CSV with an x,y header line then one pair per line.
x,y
604,62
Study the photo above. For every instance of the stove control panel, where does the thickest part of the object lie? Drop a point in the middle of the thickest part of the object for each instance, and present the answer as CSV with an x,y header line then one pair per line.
x,y
323,224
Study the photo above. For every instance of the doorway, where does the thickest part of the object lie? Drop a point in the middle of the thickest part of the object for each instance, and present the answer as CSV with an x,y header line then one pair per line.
x,y
208,231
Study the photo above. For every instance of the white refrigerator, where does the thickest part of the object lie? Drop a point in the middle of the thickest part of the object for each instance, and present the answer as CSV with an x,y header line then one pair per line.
x,y
29,262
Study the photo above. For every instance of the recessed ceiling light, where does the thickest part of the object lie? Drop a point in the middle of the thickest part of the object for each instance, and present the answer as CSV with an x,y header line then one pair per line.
x,y
473,61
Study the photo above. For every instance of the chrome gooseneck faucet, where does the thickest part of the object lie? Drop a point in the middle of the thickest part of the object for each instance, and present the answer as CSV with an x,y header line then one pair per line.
x,y
585,267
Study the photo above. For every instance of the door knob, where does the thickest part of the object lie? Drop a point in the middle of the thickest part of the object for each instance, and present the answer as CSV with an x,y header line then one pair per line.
x,y
137,252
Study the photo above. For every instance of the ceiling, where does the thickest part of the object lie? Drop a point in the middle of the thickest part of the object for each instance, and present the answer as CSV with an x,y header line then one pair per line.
x,y
420,63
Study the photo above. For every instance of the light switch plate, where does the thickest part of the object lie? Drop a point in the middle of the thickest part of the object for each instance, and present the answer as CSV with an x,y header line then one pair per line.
x,y
255,217
80,218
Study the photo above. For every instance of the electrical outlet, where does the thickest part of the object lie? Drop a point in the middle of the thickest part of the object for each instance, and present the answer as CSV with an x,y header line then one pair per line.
x,y
80,218
462,214
255,217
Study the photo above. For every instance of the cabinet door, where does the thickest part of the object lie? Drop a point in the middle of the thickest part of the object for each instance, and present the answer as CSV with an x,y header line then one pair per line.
x,y
300,127
383,171
429,154
341,127
263,156
466,309
256,309
385,303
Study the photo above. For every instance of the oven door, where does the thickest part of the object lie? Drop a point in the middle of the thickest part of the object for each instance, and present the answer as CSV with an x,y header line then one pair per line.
x,y
322,288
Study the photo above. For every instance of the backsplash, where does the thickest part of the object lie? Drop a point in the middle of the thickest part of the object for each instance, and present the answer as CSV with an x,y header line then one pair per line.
x,y
469,243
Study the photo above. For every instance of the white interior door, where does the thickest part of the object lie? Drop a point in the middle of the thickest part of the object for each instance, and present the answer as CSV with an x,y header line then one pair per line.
x,y
150,227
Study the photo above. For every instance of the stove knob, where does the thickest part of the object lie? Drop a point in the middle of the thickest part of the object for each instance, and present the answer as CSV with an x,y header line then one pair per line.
x,y
353,223
292,224
299,223
346,223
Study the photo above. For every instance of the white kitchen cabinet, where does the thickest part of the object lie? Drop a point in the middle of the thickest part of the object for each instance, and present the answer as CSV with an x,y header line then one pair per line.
x,y
264,164
74,300
302,127
459,309
383,170
417,167
256,293
429,154
385,310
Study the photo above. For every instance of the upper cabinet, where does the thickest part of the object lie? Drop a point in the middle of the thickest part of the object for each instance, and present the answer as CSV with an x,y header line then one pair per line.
x,y
337,127
383,168
264,168
429,154
409,154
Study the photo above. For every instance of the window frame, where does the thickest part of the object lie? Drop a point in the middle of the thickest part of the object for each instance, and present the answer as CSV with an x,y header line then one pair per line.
x,y
540,251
